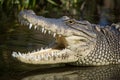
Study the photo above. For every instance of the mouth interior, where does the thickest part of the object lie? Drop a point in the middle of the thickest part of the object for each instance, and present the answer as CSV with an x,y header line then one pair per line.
x,y
52,52
59,43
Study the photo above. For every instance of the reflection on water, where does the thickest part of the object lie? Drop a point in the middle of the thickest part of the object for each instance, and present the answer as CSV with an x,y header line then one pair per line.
x,y
77,73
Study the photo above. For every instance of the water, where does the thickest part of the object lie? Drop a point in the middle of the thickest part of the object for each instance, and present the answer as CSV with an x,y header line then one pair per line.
x,y
78,73
111,72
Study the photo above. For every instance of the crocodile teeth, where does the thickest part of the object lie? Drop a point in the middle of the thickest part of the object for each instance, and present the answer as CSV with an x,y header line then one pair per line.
x,y
54,34
30,26
43,30
19,54
35,56
43,56
35,27
14,54
49,32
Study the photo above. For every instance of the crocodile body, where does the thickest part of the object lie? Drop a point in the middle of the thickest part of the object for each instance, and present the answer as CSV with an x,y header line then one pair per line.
x,y
79,43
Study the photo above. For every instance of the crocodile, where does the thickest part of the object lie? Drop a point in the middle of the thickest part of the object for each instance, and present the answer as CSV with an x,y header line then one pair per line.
x,y
77,42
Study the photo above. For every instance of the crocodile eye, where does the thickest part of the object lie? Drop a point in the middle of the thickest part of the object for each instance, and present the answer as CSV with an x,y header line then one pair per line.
x,y
71,21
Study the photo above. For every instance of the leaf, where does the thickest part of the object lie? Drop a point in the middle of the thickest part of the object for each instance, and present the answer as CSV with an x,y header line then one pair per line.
x,y
52,2
32,3
1,2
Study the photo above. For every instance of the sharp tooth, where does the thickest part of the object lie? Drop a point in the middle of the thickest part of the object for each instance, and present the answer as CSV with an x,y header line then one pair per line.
x,y
54,34
19,54
43,30
49,32
30,26
52,54
35,27
14,54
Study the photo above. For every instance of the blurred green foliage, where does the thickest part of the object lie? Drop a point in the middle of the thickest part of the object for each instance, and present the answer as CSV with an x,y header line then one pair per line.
x,y
85,9
9,10
9,7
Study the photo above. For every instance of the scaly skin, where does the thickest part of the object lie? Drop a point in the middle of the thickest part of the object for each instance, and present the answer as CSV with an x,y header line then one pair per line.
x,y
77,42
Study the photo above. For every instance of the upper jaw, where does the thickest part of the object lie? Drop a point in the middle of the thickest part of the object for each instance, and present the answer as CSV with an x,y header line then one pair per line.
x,y
56,27
51,25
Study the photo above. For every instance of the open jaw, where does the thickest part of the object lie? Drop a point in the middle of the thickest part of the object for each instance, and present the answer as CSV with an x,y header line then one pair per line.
x,y
57,52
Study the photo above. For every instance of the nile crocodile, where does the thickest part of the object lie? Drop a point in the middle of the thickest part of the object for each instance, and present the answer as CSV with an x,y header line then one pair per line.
x,y
76,42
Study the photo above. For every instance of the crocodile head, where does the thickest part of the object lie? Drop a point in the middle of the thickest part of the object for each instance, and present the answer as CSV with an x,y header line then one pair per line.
x,y
74,39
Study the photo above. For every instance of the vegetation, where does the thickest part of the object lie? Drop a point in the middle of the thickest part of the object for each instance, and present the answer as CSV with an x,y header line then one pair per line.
x,y
79,9
53,8
41,6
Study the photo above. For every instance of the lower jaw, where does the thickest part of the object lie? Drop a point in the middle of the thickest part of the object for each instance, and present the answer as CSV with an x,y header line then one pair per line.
x,y
46,56
42,56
